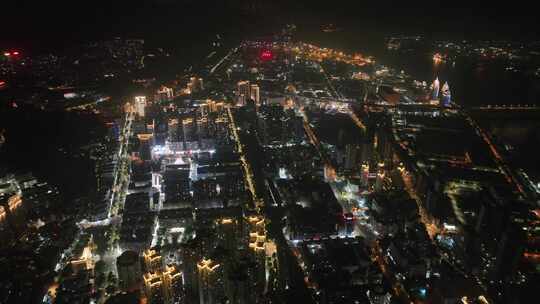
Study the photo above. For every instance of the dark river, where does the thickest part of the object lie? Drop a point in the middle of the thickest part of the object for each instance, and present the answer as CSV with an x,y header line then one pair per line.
x,y
473,82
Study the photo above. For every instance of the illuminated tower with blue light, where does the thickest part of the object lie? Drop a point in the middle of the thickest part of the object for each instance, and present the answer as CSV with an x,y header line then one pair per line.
x,y
436,87
446,95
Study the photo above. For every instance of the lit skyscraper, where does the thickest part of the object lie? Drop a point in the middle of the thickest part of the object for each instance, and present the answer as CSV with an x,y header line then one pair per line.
x,y
172,284
446,95
10,200
210,281
195,85
351,156
152,260
164,94
365,175
436,88
153,288
243,92
255,95
140,105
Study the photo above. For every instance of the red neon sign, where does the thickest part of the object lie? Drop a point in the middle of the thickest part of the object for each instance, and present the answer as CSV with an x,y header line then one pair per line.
x,y
267,55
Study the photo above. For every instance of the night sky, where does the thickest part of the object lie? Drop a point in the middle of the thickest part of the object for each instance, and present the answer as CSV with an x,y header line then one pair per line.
x,y
56,23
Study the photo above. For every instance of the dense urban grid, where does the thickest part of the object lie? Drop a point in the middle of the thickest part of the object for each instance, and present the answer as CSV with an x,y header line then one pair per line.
x,y
273,171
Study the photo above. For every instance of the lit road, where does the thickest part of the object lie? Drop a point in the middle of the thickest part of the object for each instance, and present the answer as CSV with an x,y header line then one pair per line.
x,y
503,166
118,196
431,228
397,286
223,60
87,104
330,85
356,120
248,172
121,176
330,171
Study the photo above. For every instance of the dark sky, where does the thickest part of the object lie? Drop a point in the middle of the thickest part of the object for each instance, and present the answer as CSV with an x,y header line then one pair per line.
x,y
30,23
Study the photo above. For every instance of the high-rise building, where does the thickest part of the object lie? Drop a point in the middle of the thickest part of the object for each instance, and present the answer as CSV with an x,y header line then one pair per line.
x,y
8,206
161,130
140,105
191,254
153,288
255,94
257,246
164,287
129,269
189,128
243,92
11,202
446,95
210,281
171,278
435,89
380,177
195,84
351,156
228,233
365,175
200,83
152,260
85,262
164,94
177,184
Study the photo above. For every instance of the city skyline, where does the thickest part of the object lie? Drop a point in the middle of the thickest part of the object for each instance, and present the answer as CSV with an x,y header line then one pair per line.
x,y
46,23
259,152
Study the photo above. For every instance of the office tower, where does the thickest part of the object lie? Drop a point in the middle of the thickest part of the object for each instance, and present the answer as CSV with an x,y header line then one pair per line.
x,y
243,92
351,156
255,94
195,84
435,89
161,130
384,146
177,183
257,246
191,254
366,151
228,233
211,289
8,206
140,105
376,297
175,137
171,279
295,125
200,84
145,152
153,288
11,213
189,128
380,177
85,262
129,269
152,260
365,175
164,94
446,95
